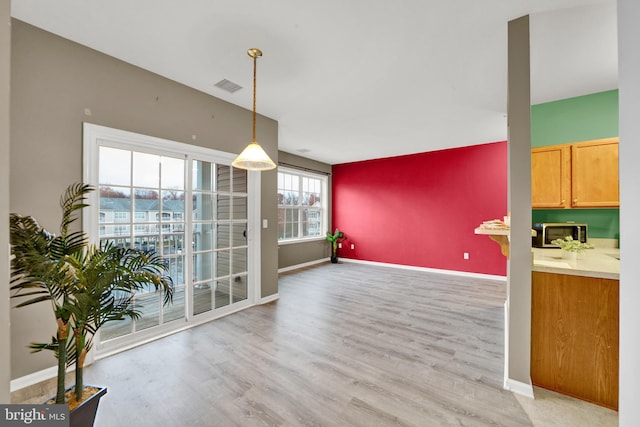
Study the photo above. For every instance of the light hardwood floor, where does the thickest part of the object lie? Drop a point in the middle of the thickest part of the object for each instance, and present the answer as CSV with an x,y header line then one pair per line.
x,y
346,345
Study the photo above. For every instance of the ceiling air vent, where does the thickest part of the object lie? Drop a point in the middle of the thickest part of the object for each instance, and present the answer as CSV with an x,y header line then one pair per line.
x,y
228,85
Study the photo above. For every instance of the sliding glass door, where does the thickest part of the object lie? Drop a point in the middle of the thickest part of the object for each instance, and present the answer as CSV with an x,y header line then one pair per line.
x,y
191,208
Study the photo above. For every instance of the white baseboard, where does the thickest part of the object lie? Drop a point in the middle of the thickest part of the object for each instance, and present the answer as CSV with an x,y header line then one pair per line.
x,y
270,298
34,378
429,270
518,387
303,265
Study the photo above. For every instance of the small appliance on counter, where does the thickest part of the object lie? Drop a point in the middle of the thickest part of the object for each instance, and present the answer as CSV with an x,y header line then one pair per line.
x,y
546,232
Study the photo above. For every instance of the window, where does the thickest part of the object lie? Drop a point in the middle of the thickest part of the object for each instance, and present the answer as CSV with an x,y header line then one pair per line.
x,y
302,205
121,216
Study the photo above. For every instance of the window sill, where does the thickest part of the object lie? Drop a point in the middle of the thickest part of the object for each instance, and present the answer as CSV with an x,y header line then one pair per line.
x,y
294,241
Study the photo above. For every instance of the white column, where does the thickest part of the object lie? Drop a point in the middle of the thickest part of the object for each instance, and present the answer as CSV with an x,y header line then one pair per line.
x,y
629,102
518,319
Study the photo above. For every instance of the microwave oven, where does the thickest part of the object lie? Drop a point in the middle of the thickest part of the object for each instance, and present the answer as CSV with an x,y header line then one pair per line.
x,y
546,232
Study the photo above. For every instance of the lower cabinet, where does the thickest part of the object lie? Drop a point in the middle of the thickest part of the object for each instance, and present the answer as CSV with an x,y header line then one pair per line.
x,y
574,336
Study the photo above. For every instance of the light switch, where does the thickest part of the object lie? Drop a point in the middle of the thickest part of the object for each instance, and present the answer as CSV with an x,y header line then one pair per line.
x,y
265,223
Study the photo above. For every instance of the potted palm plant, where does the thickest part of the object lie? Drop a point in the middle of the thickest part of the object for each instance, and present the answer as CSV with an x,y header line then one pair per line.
x,y
335,238
86,286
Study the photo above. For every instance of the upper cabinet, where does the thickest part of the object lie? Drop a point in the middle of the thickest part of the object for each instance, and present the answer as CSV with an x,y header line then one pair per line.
x,y
551,176
594,174
578,175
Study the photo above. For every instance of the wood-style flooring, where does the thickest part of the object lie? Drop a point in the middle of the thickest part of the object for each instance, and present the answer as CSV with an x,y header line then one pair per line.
x,y
345,345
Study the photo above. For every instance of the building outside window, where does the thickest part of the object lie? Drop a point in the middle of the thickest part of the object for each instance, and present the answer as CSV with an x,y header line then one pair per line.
x,y
302,205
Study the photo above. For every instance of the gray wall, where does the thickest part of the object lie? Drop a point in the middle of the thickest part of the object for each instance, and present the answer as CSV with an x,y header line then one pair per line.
x,y
54,81
300,253
629,101
5,60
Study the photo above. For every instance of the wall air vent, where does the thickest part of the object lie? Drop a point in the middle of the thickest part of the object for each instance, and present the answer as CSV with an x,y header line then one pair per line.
x,y
228,86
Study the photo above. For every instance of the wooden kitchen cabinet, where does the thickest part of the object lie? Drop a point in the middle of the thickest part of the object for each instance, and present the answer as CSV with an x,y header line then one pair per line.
x,y
574,336
577,175
594,174
551,176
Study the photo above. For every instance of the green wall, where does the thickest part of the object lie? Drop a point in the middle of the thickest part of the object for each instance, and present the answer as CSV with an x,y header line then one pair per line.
x,y
582,118
603,223
577,119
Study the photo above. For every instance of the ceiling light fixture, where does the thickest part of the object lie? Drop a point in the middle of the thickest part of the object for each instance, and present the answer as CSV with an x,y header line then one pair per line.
x,y
253,157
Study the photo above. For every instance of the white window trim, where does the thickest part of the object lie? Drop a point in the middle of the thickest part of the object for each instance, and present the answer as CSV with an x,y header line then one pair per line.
x,y
92,137
324,179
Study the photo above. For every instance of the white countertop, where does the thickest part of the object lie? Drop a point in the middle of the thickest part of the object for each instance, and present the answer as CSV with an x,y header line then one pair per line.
x,y
601,263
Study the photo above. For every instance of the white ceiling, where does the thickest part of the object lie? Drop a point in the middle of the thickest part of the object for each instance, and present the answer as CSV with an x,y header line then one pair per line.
x,y
354,80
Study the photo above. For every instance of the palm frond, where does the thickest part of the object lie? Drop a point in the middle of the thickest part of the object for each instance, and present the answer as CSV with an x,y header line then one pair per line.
x,y
72,201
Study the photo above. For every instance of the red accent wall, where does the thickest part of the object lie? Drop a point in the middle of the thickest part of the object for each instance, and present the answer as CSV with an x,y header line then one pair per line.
x,y
421,209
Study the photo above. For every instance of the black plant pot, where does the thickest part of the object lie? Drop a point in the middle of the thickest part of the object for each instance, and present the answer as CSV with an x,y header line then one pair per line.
x,y
334,259
84,414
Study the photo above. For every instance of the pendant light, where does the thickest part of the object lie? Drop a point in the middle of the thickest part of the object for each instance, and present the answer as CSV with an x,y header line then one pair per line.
x,y
253,157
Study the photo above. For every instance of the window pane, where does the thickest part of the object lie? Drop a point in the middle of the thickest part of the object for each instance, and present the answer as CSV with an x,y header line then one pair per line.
x,y
239,180
147,242
202,237
239,208
239,261
172,205
172,244
175,265
146,170
222,293
114,166
149,304
239,234
202,207
222,236
172,173
202,297
311,222
222,263
116,329
223,178
223,208
119,242
202,267
175,310
239,288
201,179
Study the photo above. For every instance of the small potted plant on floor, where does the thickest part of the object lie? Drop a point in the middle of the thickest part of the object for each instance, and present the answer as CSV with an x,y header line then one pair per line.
x,y
86,286
571,248
335,238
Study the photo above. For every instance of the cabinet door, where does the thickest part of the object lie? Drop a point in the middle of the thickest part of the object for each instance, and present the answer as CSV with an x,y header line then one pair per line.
x,y
574,336
551,176
594,177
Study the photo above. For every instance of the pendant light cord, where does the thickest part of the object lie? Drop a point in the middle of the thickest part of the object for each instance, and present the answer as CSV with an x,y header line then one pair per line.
x,y
255,59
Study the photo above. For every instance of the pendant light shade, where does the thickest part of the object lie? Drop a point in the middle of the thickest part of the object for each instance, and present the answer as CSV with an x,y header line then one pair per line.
x,y
253,157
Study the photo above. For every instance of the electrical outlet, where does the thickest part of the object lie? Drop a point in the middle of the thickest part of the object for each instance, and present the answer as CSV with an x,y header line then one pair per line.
x,y
466,255
340,245
353,246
